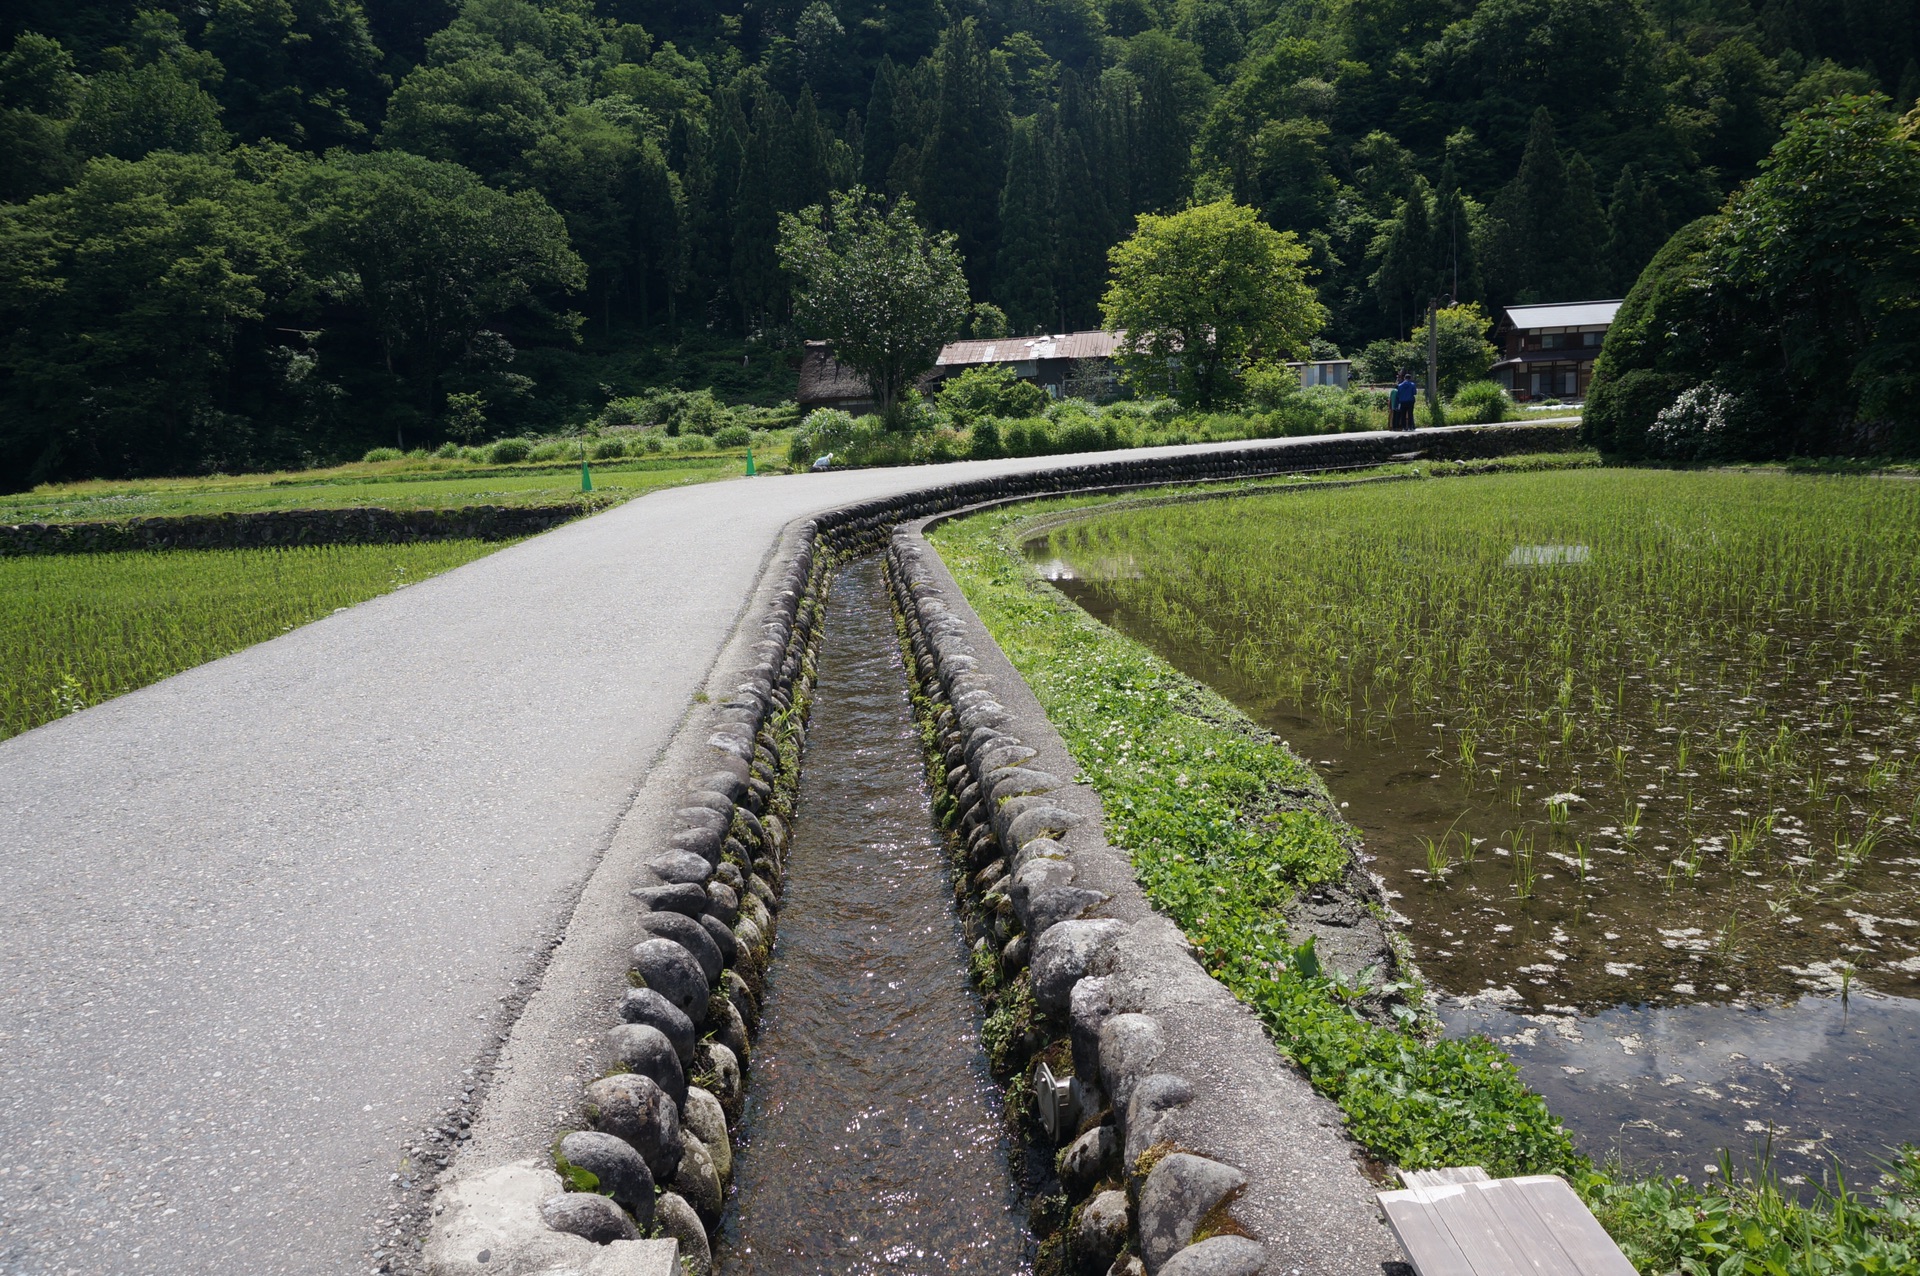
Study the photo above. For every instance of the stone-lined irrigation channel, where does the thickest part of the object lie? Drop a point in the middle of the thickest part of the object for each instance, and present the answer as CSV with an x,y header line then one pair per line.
x,y
873,1138
832,1111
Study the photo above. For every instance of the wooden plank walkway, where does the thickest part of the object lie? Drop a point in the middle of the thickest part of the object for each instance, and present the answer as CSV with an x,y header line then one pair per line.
x,y
1459,1222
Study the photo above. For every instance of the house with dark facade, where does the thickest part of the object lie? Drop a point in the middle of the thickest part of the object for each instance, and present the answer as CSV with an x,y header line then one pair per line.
x,y
1066,365
1548,350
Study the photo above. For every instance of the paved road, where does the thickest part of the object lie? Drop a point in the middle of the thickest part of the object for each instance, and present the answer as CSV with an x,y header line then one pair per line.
x,y
256,919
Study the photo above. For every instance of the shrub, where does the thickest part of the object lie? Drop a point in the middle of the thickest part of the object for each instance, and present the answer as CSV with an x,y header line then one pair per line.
x,y
610,448
553,450
1084,434
1336,411
939,446
1070,410
653,443
676,411
992,390
383,454
509,451
826,430
1479,403
694,443
448,451
985,444
732,436
874,444
1270,385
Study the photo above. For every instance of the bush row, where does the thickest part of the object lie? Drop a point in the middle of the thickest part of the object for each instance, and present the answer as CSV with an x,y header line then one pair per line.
x,y
606,447
947,431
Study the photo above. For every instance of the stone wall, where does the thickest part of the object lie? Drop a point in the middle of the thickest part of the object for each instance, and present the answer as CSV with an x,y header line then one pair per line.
x,y
1178,1106
273,528
1185,1143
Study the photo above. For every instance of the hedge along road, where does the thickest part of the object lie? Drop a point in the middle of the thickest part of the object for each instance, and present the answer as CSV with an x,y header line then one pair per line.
x,y
258,917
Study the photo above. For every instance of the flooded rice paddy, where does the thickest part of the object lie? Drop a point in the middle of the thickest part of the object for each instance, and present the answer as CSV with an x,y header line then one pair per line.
x,y
873,1140
1637,755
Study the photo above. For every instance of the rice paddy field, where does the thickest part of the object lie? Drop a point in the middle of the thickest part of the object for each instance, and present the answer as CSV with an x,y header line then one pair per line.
x,y
76,629
1636,753
430,483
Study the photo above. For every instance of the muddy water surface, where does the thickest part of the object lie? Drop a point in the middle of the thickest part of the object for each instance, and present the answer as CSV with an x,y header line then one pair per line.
x,y
872,1141
1668,999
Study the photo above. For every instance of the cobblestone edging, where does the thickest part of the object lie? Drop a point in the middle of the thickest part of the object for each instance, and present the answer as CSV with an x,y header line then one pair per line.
x,y
271,528
709,896
1190,1146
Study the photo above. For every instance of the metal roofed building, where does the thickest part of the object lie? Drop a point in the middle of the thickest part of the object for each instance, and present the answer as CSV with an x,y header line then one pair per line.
x,y
1065,365
1071,363
1076,364
1550,349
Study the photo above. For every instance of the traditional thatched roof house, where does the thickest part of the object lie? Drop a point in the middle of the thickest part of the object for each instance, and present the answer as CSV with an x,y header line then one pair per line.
x,y
1066,365
1072,363
825,382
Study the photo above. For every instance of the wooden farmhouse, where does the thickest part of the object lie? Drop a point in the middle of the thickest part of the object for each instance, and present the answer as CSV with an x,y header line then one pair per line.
x,y
1550,349
1066,365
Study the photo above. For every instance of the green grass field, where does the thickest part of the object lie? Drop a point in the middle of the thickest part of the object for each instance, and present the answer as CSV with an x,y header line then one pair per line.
x,y
430,483
76,629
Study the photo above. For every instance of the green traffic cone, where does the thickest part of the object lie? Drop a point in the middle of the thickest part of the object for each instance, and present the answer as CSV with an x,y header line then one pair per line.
x,y
750,470
586,476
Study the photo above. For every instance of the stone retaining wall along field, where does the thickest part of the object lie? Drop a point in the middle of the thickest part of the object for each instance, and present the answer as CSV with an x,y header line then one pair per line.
x,y
271,528
1185,1143
1209,1154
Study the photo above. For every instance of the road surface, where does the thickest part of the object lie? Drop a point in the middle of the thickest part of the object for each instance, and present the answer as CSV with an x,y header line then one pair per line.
x,y
256,919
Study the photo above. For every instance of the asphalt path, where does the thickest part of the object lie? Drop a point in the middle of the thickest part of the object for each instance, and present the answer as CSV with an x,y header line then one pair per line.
x,y
256,919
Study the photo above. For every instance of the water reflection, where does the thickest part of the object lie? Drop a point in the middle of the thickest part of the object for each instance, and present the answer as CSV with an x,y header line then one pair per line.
x,y
1821,1080
1594,975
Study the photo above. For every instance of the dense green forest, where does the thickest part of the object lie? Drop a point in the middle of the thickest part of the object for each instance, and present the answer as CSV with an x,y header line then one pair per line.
x,y
241,233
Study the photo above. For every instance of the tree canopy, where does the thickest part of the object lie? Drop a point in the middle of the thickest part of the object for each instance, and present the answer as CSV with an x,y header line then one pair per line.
x,y
875,284
1789,323
1465,151
1200,295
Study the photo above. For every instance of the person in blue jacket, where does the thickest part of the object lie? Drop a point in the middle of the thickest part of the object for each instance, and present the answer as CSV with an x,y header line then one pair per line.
x,y
1404,395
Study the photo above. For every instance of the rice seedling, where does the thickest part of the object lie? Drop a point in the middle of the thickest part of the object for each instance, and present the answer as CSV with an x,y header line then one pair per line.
x,y
1718,661
1410,1097
81,628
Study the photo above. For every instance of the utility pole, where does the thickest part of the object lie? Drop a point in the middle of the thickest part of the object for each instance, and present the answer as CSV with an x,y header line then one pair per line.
x,y
1434,411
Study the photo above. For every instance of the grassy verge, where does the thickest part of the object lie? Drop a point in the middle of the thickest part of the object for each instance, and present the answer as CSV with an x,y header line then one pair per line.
x,y
407,484
1224,825
81,628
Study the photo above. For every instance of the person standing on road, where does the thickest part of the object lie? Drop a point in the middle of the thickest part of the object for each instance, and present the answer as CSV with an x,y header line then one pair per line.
x,y
1404,395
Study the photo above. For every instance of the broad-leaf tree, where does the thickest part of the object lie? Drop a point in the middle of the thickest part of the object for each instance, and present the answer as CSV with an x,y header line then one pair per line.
x,y
884,292
1788,324
125,303
1200,295
430,254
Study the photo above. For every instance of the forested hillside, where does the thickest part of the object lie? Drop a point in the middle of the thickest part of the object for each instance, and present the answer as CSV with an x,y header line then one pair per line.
x,y
251,232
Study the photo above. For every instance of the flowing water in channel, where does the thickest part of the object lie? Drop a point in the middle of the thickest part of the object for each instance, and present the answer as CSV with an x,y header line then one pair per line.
x,y
872,1141
1649,1033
